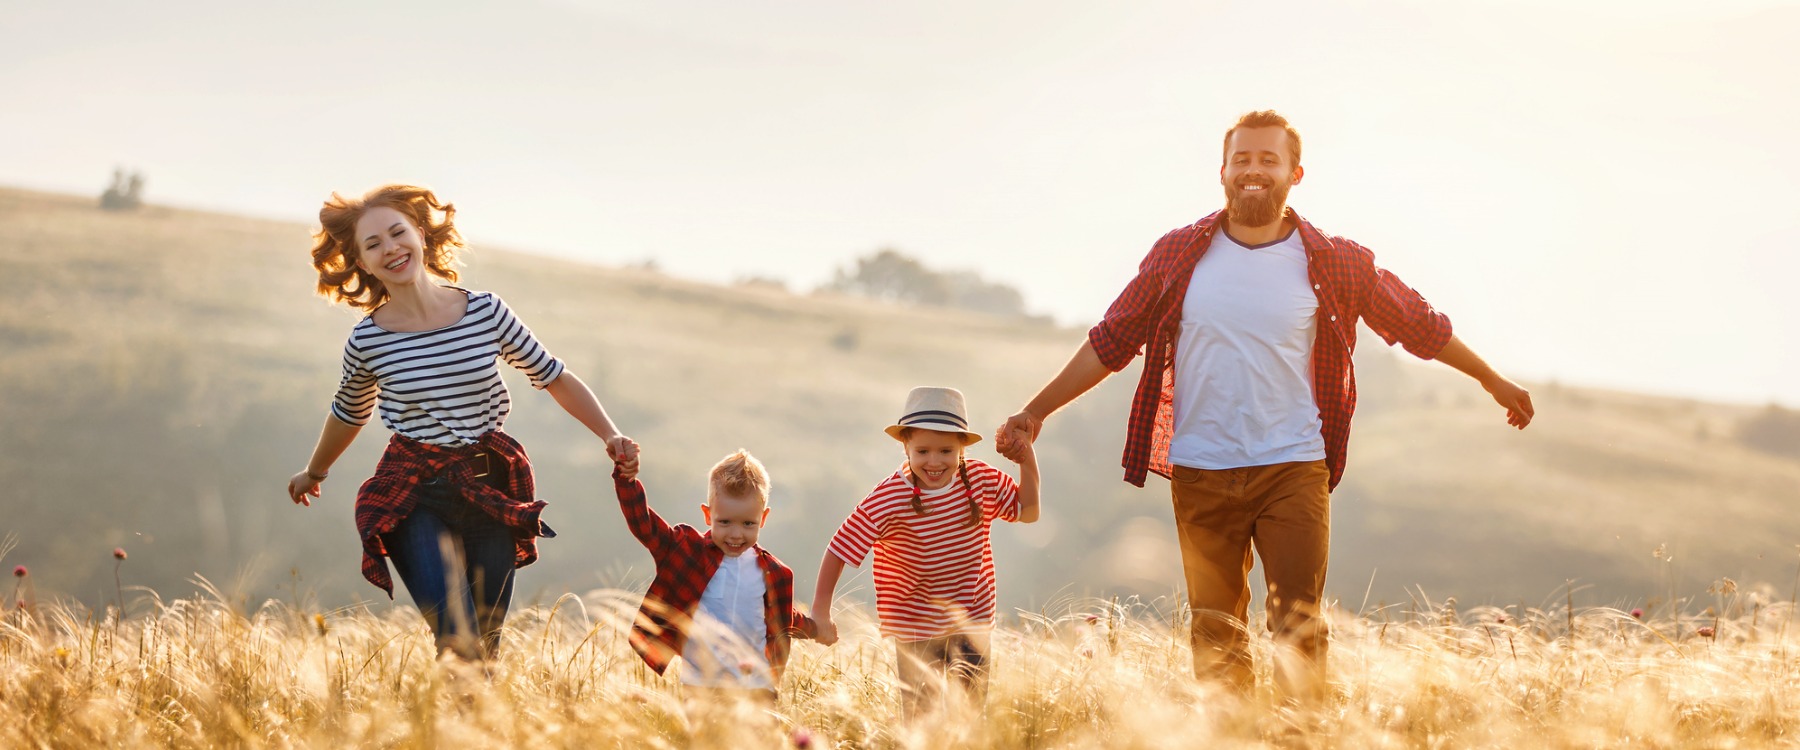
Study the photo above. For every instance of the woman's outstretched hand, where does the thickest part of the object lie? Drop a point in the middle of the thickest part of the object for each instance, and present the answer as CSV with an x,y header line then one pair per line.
x,y
624,453
302,488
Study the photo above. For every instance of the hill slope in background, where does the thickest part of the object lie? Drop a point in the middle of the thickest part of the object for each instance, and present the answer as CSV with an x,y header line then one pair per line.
x,y
167,370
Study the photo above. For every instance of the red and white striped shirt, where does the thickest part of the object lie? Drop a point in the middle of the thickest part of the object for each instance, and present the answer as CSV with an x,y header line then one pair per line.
x,y
934,573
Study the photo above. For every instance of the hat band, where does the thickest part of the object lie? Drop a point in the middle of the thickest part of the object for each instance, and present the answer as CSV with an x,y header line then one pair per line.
x,y
934,416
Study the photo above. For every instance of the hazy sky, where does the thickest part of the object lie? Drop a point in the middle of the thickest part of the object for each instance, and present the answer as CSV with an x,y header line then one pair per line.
x,y
1603,194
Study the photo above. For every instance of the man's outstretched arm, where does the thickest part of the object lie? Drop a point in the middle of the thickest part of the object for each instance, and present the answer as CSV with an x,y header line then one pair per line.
x,y
1516,400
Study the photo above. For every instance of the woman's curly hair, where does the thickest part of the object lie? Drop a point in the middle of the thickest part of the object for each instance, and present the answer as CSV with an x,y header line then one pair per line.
x,y
335,249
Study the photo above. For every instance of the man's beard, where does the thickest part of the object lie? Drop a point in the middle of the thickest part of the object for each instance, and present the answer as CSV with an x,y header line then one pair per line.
x,y
1258,209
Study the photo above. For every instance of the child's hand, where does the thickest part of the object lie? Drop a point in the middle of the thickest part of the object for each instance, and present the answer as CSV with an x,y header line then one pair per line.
x,y
827,630
1013,439
624,453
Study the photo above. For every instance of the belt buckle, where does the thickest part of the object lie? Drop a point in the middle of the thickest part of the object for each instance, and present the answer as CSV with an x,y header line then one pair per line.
x,y
487,465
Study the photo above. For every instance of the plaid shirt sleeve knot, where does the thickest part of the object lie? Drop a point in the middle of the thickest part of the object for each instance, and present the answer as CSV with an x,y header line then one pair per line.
x,y
390,495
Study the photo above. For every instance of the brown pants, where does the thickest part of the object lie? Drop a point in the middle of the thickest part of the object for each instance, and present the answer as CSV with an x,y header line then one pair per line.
x,y
924,668
1284,511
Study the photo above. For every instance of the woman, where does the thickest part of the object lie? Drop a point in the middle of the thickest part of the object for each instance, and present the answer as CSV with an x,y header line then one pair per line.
x,y
452,500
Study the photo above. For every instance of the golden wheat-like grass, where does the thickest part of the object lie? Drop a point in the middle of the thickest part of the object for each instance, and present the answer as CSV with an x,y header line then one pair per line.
x,y
211,672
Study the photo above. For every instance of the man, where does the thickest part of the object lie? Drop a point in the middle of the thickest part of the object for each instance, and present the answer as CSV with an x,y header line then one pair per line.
x,y
1248,319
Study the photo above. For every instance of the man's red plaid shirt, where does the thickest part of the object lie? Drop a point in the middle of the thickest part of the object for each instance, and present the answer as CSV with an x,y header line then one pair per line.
x,y
686,560
1349,287
388,496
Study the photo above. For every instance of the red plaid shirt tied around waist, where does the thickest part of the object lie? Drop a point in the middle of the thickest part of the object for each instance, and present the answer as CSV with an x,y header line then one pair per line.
x,y
686,560
391,494
1349,287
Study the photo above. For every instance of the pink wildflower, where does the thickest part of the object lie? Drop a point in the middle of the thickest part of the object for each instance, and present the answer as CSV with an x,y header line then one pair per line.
x,y
19,572
1637,613
1091,619
802,738
118,553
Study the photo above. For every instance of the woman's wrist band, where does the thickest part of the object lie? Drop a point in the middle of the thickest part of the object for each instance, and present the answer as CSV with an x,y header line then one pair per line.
x,y
319,477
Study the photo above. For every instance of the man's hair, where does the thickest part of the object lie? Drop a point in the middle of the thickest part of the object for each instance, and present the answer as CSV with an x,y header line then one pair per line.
x,y
738,475
1264,118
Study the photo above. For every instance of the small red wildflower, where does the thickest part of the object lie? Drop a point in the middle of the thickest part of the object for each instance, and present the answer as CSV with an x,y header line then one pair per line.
x,y
118,553
19,572
802,738
1091,619
1500,619
1705,632
1637,613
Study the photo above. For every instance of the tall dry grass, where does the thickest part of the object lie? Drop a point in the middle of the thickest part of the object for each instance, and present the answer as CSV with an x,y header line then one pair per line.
x,y
212,672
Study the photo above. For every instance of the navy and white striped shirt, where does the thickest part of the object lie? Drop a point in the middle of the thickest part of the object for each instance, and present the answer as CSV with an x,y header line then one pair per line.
x,y
440,386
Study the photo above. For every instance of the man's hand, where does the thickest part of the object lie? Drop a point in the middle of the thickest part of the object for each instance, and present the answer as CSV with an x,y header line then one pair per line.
x,y
624,453
1516,400
1015,437
827,630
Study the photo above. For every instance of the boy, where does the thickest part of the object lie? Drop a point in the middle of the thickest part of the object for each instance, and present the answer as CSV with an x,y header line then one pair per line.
x,y
720,601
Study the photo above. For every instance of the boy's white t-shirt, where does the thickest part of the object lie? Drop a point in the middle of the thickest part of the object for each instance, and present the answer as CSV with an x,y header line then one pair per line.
x,y
730,632
1243,362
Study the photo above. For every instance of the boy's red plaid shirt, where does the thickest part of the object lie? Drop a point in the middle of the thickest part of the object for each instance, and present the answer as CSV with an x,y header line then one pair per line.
x,y
685,562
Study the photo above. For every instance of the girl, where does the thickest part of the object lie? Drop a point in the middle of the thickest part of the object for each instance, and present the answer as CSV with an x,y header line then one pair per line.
x,y
928,525
452,500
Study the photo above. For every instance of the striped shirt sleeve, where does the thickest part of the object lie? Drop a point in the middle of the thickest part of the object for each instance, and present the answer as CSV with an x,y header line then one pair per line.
x,y
999,494
521,349
857,535
357,391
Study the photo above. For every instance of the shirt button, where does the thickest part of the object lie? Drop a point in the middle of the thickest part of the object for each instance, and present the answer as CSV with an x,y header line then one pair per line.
x,y
1334,318
1315,286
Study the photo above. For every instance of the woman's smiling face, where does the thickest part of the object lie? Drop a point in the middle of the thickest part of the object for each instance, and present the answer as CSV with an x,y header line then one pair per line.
x,y
389,246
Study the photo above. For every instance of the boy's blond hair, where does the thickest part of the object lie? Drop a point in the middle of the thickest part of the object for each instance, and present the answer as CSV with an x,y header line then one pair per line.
x,y
738,475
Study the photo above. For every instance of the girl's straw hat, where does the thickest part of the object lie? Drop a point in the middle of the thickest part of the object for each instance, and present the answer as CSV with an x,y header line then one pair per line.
x,y
939,409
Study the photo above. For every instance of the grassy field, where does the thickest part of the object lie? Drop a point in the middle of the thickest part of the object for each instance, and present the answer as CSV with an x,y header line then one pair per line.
x,y
212,672
166,370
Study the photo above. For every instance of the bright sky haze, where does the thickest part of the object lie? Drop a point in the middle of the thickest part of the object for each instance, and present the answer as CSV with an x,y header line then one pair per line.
x,y
1601,193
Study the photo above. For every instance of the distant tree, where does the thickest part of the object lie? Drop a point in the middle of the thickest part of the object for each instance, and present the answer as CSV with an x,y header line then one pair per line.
x,y
888,275
891,276
1775,431
125,193
763,282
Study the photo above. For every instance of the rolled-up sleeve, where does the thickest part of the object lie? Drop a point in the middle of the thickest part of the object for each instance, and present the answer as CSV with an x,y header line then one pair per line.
x,y
357,390
1398,313
1120,336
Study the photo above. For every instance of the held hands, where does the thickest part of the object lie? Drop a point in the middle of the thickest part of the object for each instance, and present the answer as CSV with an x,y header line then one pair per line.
x,y
1013,439
1516,400
827,630
624,453
302,487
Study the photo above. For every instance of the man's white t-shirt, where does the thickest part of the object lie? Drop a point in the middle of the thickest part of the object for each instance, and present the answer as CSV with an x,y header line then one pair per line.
x,y
1243,362
727,646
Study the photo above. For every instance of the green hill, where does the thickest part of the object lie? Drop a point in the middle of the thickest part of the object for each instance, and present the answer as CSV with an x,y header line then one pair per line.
x,y
166,370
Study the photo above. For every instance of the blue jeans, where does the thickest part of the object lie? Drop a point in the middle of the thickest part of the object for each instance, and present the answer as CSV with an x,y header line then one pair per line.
x,y
457,562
